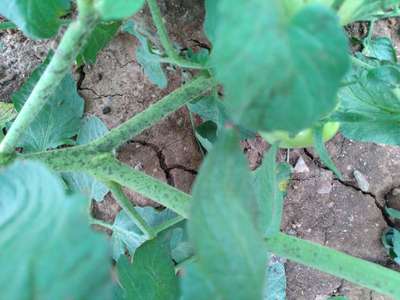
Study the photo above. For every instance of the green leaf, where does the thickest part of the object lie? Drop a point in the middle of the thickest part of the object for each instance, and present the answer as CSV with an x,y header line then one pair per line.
x,y
338,298
151,276
211,19
150,61
268,181
380,48
181,248
222,227
394,213
359,10
58,121
276,69
275,280
7,114
91,129
100,37
197,286
126,235
117,9
48,250
206,133
38,19
320,148
369,109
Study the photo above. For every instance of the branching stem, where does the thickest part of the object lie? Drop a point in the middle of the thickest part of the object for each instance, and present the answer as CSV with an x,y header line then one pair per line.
x,y
72,41
173,56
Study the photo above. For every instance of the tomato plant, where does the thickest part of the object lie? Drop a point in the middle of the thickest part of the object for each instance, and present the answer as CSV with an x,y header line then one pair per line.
x,y
283,66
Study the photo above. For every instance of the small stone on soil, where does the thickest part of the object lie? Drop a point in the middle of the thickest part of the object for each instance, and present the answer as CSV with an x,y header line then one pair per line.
x,y
362,181
301,166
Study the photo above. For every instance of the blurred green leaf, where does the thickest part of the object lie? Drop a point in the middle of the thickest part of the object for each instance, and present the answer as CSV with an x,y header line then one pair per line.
x,y
91,129
275,69
391,242
99,38
117,9
267,183
60,118
151,276
38,19
222,227
150,61
48,250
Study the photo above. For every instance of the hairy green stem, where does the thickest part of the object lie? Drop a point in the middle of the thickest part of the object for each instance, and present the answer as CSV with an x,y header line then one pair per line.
x,y
339,264
168,224
130,210
72,41
358,62
7,25
172,54
154,113
110,169
77,158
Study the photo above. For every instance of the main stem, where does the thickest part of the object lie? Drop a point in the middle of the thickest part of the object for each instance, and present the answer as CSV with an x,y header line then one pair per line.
x,y
70,45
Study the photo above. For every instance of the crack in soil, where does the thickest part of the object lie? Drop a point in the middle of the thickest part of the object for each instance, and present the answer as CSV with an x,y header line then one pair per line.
x,y
351,185
162,160
161,157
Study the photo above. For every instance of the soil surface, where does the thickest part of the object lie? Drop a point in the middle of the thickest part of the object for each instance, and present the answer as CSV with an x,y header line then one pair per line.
x,y
343,214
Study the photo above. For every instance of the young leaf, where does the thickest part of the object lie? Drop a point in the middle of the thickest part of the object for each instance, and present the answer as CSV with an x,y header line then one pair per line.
x,y
91,129
7,113
359,10
117,9
278,73
38,19
48,250
275,280
151,276
370,108
322,152
222,228
126,235
267,185
150,62
100,37
58,121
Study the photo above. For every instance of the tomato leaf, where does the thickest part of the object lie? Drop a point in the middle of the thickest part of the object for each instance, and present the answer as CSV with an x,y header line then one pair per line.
x,y
126,235
380,48
370,107
269,182
38,19
222,227
48,250
59,119
150,61
276,69
99,38
91,129
151,276
117,9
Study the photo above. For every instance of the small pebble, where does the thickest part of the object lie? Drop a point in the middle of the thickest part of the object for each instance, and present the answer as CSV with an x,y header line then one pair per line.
x,y
106,110
362,181
301,166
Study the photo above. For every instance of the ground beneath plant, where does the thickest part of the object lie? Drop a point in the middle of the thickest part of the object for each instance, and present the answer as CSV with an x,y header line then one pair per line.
x,y
342,214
